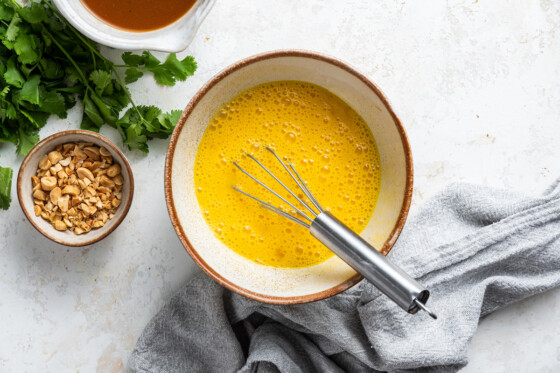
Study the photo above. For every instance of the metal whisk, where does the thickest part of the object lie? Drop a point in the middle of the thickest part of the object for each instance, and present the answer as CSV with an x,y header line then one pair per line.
x,y
341,240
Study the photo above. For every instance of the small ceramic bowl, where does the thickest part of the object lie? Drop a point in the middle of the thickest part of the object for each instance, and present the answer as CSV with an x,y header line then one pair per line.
x,y
286,285
172,38
29,167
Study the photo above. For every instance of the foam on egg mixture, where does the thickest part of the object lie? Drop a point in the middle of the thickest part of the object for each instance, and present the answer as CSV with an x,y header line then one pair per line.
x,y
329,144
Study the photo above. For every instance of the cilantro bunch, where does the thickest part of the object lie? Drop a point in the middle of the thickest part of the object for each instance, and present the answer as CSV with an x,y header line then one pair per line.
x,y
46,66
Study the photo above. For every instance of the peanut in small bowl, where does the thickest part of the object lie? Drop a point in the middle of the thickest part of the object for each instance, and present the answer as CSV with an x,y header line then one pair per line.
x,y
75,187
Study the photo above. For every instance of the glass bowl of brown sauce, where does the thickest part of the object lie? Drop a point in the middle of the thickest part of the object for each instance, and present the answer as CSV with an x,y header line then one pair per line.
x,y
162,25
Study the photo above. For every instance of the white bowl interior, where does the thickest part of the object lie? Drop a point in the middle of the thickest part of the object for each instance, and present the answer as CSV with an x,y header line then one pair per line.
x,y
68,237
172,38
278,282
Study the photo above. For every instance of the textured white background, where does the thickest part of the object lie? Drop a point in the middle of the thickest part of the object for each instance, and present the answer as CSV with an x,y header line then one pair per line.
x,y
476,85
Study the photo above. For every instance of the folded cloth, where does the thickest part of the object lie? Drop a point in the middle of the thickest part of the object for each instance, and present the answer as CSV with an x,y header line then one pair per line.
x,y
477,249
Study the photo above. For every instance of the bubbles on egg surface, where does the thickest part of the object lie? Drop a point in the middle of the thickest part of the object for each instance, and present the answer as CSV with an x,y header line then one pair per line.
x,y
296,125
291,137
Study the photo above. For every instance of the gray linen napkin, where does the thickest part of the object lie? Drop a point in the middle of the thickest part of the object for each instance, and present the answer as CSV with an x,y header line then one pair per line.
x,y
477,249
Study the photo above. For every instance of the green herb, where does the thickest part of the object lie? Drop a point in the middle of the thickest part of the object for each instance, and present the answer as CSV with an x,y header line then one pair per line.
x,y
5,187
165,73
46,66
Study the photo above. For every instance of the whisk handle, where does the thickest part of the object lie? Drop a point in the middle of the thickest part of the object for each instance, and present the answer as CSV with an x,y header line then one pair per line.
x,y
374,266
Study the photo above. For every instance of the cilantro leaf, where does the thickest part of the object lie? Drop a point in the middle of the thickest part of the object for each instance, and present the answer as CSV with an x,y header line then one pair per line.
x,y
180,69
53,103
163,76
6,12
150,60
166,73
4,93
27,140
8,135
50,69
169,120
13,28
101,79
54,23
10,111
7,110
36,118
34,13
135,139
87,124
140,124
5,187
150,114
12,74
118,99
30,90
72,74
26,46
132,74
130,128
132,59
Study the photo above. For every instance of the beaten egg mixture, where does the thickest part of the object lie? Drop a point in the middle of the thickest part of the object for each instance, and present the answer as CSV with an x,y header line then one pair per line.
x,y
329,144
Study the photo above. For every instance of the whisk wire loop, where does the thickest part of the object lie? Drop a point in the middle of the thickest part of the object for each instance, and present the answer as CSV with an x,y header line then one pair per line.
x,y
299,182
306,190
281,183
274,209
272,191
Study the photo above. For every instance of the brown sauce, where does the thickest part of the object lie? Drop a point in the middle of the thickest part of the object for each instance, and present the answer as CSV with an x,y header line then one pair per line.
x,y
138,15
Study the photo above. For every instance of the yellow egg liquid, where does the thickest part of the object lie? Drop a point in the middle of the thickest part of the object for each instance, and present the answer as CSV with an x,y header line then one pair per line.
x,y
330,146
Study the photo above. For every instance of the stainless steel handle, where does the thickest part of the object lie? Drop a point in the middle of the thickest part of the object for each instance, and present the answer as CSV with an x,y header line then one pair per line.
x,y
361,256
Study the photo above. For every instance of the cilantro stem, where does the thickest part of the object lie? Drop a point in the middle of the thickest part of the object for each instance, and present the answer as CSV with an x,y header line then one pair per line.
x,y
93,58
73,89
78,70
128,94
15,4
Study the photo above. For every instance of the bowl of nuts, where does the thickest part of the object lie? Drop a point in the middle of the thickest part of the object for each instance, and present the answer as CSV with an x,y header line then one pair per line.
x,y
75,187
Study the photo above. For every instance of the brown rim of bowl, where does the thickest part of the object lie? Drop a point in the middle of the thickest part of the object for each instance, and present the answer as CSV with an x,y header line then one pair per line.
x,y
103,140
171,151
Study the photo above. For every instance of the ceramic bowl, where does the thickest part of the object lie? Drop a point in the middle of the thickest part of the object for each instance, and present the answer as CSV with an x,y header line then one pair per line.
x,y
281,285
172,38
29,167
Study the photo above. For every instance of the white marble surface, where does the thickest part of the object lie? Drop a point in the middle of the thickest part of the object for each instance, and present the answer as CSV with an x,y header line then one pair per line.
x,y
476,85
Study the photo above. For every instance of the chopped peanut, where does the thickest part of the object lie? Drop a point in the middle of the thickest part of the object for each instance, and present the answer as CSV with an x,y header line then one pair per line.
x,y
77,187
54,157
59,225
104,152
92,152
48,183
114,170
44,163
98,224
84,173
40,195
65,162
56,193
64,203
71,189
106,182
